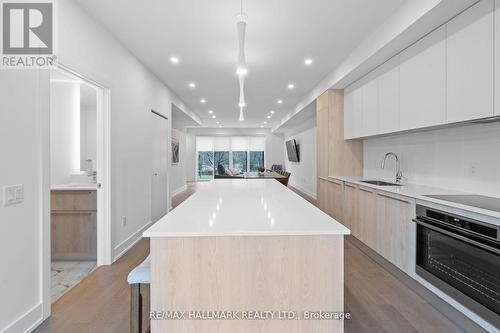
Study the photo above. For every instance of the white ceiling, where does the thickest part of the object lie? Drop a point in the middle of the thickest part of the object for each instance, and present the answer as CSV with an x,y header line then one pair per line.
x,y
181,120
280,35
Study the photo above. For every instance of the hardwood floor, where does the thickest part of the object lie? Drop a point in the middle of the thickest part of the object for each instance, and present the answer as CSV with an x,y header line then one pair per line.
x,y
378,301
100,303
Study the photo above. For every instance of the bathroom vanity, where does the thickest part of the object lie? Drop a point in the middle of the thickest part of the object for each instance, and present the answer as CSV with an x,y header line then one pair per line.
x,y
74,222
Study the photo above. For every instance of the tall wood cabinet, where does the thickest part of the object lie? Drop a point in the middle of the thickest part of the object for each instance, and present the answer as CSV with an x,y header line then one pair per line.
x,y
335,156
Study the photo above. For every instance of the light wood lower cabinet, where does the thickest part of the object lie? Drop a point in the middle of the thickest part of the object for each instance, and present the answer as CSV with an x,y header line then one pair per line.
x,y
73,200
74,235
394,216
331,198
382,221
322,196
74,225
336,200
350,207
366,224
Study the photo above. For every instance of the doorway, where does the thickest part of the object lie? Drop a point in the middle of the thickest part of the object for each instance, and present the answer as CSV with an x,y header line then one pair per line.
x,y
160,145
79,223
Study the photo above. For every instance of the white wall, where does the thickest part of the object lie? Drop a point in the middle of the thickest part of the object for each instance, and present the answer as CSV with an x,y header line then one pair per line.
x,y
178,171
274,145
303,173
90,50
65,131
86,47
465,158
24,97
88,135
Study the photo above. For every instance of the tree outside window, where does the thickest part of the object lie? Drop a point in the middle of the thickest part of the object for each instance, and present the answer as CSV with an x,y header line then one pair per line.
x,y
240,160
256,160
205,165
221,158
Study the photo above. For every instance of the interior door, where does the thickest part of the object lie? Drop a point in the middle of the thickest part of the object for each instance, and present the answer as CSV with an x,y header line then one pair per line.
x,y
159,153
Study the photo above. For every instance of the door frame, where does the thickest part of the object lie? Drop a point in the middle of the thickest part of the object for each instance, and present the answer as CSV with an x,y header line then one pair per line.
x,y
103,167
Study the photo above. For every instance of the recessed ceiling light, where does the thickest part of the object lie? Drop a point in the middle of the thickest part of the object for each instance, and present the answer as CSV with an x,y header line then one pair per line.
x,y
280,101
308,62
291,86
265,122
217,122
210,111
192,85
203,101
174,60
271,112
268,117
213,117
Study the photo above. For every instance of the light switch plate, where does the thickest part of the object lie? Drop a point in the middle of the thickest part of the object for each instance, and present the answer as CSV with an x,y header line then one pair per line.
x,y
13,194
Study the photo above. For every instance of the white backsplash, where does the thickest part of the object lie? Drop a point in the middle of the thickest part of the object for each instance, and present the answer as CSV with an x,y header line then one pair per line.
x,y
465,158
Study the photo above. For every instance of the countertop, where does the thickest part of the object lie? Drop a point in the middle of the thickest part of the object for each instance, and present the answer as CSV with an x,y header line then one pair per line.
x,y
417,192
238,207
74,187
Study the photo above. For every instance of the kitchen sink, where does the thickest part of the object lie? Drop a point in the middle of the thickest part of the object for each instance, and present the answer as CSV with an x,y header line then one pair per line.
x,y
379,183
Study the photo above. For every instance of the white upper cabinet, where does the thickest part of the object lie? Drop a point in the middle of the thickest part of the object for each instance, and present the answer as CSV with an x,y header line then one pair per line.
x,y
353,108
470,63
423,82
497,57
448,76
388,96
370,113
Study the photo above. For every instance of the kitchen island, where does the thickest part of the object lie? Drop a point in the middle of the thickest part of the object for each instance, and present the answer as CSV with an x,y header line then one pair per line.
x,y
247,256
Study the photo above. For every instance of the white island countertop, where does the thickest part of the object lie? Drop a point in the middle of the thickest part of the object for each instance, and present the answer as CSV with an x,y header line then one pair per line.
x,y
239,207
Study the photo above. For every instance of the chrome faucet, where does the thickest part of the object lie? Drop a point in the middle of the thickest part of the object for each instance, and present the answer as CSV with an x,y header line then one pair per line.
x,y
399,174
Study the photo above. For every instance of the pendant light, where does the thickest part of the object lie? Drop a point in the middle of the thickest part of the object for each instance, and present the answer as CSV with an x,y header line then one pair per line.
x,y
241,70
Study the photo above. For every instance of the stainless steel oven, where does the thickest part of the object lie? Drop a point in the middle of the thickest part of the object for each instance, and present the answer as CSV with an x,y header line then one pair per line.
x,y
461,257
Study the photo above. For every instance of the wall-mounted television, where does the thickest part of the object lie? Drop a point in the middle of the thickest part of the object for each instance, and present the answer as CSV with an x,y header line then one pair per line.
x,y
292,150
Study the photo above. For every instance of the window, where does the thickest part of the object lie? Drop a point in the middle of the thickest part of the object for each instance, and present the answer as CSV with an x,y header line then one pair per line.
x,y
238,152
205,156
205,165
257,147
221,158
256,160
240,160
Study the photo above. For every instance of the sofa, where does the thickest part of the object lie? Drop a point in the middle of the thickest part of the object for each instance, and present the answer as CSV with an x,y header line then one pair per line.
x,y
224,173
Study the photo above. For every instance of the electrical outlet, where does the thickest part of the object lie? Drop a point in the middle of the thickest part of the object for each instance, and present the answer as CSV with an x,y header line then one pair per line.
x,y
13,194
124,221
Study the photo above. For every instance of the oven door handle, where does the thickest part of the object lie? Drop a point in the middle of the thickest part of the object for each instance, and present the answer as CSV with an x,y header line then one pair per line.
x,y
459,237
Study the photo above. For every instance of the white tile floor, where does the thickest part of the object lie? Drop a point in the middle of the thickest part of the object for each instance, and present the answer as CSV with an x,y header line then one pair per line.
x,y
66,274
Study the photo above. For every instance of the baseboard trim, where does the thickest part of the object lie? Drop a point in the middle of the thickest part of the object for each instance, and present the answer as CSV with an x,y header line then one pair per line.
x,y
179,190
128,243
454,315
26,322
303,190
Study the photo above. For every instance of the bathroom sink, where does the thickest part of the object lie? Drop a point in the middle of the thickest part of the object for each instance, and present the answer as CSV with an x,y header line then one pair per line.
x,y
379,183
